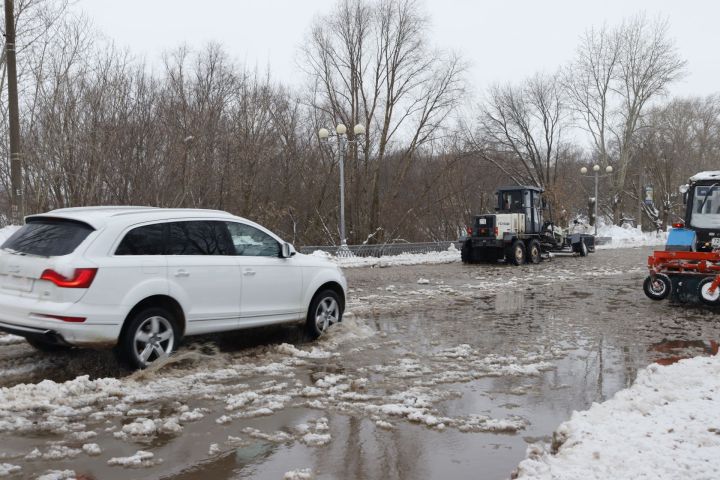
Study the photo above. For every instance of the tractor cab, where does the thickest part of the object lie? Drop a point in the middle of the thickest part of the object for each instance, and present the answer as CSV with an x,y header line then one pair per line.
x,y
702,211
522,199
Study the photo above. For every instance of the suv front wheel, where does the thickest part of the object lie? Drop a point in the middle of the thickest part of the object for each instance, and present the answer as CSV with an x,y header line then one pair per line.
x,y
324,311
151,334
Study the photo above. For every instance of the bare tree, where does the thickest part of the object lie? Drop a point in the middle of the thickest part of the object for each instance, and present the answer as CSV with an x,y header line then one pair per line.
x,y
371,64
521,130
615,74
678,139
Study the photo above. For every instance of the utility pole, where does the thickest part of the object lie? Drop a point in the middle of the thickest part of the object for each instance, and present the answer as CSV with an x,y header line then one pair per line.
x,y
641,197
17,203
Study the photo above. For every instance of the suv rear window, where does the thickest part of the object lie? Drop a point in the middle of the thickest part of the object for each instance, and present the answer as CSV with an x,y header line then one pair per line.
x,y
48,237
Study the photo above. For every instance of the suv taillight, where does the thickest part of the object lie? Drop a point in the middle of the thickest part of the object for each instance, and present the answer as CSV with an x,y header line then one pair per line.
x,y
82,278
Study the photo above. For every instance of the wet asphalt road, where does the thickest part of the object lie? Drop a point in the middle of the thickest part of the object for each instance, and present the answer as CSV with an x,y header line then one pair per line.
x,y
495,356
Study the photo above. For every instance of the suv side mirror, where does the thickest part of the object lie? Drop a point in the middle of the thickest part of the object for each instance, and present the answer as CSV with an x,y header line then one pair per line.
x,y
287,250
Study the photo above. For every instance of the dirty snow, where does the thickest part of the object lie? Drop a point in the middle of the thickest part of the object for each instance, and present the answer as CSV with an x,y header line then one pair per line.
x,y
140,459
451,255
301,474
92,449
58,475
665,426
8,469
8,339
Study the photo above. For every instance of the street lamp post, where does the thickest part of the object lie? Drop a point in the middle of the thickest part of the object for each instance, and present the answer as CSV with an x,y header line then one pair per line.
x,y
342,142
596,175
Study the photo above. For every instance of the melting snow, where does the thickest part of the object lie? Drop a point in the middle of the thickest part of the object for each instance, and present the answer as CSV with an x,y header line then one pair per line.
x,y
301,474
140,459
92,449
665,426
58,475
8,469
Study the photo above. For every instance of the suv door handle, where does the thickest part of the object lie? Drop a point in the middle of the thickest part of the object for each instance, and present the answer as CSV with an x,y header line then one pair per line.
x,y
248,272
182,273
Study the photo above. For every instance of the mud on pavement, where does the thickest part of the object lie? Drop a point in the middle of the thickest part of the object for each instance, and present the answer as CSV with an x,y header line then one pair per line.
x,y
438,371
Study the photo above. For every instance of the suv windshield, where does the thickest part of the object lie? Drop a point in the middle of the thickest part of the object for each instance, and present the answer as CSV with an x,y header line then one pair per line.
x,y
706,207
47,237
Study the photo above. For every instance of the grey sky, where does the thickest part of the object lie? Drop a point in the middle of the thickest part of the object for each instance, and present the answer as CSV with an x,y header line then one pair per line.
x,y
501,40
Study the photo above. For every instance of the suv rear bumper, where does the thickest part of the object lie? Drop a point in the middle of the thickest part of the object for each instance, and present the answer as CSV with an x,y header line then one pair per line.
x,y
49,336
23,316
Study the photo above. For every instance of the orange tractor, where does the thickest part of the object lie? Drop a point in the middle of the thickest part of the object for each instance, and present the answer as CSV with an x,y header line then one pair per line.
x,y
688,270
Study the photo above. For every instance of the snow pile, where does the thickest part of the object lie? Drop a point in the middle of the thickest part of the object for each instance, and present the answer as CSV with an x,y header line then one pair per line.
x,y
7,339
709,175
314,353
58,475
315,433
141,459
92,449
665,426
301,474
623,237
451,255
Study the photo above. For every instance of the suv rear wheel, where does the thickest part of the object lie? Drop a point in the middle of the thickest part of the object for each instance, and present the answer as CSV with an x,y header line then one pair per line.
x,y
151,334
324,311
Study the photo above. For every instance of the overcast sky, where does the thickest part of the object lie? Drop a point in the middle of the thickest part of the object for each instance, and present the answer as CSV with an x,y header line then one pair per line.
x,y
501,40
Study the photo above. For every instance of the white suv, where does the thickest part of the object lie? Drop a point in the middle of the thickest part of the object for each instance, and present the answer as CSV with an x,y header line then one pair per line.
x,y
141,278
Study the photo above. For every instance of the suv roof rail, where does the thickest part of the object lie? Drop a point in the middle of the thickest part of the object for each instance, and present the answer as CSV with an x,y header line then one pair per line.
x,y
177,210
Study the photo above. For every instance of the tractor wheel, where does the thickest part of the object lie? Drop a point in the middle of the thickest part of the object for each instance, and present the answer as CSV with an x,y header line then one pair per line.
x,y
657,289
583,249
534,252
516,254
580,248
707,297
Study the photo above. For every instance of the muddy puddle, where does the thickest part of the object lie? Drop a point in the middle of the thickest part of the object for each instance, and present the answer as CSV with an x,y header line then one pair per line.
x,y
449,378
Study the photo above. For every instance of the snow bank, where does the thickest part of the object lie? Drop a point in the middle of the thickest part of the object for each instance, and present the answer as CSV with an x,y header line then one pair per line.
x,y
451,255
665,426
623,237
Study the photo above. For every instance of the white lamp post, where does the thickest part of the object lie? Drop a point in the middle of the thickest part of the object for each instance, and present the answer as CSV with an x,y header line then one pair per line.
x,y
342,141
596,174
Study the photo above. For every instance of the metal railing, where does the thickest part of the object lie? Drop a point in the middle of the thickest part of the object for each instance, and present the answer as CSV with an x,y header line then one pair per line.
x,y
379,250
